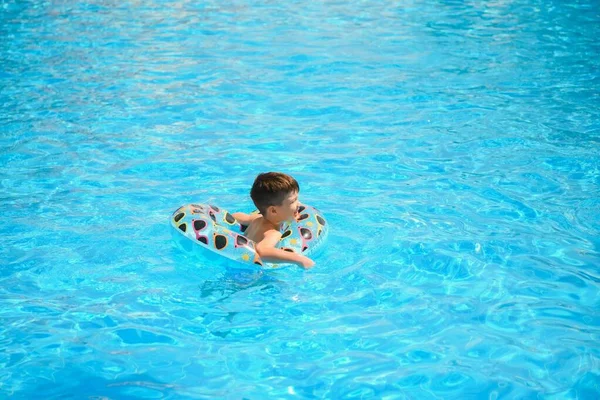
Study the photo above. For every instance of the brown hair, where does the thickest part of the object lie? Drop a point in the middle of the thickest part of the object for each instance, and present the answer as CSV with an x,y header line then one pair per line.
x,y
271,188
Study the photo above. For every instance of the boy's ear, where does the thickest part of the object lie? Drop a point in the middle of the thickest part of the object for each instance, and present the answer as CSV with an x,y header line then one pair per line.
x,y
272,210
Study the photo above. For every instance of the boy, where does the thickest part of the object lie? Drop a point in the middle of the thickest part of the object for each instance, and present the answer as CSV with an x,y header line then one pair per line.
x,y
276,197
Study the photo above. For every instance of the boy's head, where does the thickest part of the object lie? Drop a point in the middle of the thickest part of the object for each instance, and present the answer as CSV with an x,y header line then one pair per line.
x,y
275,195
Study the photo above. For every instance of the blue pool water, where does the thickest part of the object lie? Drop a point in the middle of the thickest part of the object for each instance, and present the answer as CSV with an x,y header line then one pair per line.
x,y
453,146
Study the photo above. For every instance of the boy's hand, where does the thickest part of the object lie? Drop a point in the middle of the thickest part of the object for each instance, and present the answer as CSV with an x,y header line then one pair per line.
x,y
307,263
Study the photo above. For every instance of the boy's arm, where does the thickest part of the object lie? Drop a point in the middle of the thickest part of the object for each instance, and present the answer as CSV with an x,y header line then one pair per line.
x,y
244,219
268,252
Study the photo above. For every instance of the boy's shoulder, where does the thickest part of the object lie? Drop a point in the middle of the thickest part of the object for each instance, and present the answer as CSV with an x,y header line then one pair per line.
x,y
259,229
263,225
245,219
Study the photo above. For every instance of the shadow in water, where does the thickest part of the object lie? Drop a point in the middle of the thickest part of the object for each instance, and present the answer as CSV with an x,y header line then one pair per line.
x,y
232,282
220,277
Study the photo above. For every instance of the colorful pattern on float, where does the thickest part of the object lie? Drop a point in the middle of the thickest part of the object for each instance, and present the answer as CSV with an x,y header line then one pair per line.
x,y
217,230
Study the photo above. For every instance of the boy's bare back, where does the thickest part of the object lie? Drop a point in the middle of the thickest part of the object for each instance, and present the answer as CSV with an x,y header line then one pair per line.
x,y
256,229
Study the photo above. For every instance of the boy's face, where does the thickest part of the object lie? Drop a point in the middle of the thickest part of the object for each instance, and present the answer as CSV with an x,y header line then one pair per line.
x,y
288,208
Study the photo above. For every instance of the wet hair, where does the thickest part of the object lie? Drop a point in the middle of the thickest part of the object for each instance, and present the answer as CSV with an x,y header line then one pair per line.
x,y
271,188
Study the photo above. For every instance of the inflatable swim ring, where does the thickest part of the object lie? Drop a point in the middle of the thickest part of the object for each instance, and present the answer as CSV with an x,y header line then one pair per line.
x,y
213,228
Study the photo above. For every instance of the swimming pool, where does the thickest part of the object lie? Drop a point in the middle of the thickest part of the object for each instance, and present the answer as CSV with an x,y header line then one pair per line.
x,y
453,147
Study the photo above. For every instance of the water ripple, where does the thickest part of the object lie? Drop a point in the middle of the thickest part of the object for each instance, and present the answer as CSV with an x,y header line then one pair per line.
x,y
453,147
